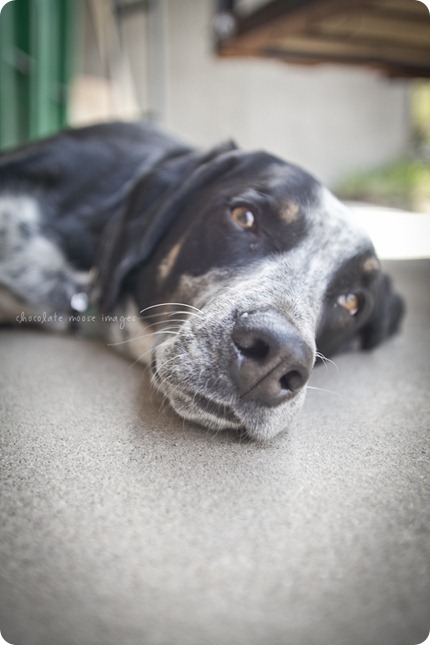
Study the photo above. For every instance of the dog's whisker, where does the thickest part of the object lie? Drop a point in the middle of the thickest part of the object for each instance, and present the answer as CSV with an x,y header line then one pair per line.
x,y
166,322
170,304
161,381
326,360
149,351
139,359
163,404
167,361
339,394
169,314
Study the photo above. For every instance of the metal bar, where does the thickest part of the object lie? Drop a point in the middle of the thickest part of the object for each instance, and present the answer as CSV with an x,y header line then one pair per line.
x,y
44,48
24,64
9,135
67,29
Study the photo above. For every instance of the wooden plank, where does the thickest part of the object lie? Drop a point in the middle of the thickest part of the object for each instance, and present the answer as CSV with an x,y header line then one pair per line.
x,y
329,49
389,68
281,17
297,12
386,29
405,10
319,45
412,7
325,43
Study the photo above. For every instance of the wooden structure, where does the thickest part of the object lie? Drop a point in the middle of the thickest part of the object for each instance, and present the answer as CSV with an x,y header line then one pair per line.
x,y
392,36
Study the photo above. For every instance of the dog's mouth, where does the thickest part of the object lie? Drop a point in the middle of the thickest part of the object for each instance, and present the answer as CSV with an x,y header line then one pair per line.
x,y
198,407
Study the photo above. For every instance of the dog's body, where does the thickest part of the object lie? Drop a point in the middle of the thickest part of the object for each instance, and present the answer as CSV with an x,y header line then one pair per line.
x,y
228,271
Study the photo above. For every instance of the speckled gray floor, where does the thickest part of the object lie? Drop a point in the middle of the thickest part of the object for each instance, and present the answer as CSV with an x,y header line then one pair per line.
x,y
121,524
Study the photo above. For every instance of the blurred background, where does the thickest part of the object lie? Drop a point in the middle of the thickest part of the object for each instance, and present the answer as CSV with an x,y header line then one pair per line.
x,y
341,87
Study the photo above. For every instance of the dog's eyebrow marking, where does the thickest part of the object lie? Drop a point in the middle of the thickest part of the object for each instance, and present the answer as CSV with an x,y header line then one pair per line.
x,y
290,212
167,264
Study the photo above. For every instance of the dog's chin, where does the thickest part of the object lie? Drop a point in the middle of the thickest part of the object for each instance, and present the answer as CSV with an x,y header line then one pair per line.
x,y
245,418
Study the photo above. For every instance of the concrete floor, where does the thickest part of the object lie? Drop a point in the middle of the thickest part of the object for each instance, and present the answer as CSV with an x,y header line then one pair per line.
x,y
119,523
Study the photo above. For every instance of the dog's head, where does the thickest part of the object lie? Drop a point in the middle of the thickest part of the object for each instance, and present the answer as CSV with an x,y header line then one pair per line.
x,y
244,269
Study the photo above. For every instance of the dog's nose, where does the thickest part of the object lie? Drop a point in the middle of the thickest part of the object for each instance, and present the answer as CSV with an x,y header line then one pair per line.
x,y
272,362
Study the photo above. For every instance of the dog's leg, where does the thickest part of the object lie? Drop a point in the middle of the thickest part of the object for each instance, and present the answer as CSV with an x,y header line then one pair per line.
x,y
35,277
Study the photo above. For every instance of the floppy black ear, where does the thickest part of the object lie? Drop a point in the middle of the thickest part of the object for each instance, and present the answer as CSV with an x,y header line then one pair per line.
x,y
386,316
149,209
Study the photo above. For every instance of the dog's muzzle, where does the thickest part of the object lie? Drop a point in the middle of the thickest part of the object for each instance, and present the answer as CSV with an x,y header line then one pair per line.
x,y
246,372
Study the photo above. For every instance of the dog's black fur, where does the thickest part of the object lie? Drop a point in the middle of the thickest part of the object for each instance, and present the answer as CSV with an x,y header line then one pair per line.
x,y
267,267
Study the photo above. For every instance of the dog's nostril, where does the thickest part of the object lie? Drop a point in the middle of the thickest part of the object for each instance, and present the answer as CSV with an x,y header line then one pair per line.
x,y
292,381
253,348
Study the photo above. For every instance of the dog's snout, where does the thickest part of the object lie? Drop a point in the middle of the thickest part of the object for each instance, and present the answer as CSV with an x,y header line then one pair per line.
x,y
272,361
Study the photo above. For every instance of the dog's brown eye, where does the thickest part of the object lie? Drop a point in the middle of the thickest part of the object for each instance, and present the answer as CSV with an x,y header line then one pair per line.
x,y
351,302
243,217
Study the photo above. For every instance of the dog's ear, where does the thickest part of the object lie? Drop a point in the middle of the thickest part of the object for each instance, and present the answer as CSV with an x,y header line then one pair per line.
x,y
386,316
150,207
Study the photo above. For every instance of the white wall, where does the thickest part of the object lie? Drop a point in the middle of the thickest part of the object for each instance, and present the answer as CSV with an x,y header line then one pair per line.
x,y
332,120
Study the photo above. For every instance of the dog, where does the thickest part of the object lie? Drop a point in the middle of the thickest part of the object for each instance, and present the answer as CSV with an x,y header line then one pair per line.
x,y
227,272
